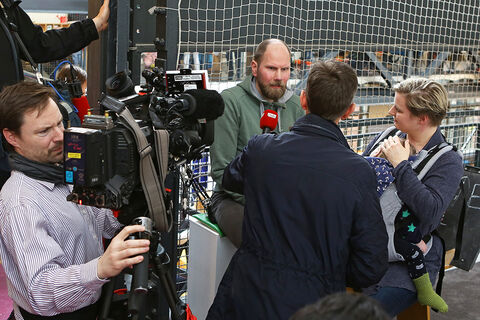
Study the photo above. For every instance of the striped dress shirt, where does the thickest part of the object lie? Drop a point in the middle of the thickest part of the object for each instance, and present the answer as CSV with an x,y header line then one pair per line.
x,y
50,247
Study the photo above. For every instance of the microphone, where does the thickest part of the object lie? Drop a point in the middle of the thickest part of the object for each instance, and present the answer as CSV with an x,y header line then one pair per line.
x,y
202,104
268,121
82,106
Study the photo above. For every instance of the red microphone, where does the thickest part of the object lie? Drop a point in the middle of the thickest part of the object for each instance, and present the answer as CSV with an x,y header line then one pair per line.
x,y
268,121
82,106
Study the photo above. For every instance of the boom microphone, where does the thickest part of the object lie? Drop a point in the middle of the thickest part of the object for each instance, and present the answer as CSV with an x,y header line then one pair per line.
x,y
268,121
202,104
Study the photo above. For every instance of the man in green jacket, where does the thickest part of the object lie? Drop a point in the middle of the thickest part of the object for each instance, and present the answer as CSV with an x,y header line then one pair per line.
x,y
244,106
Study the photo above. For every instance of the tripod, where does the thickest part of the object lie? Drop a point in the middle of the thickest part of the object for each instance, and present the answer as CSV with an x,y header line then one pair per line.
x,y
146,278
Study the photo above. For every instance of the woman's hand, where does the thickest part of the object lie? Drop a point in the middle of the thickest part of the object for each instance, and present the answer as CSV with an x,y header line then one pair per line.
x,y
394,151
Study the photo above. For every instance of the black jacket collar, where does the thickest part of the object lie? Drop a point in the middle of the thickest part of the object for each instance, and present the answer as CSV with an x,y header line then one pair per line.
x,y
313,124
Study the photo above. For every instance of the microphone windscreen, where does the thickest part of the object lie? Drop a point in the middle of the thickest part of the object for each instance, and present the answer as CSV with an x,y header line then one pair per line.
x,y
82,106
208,103
269,120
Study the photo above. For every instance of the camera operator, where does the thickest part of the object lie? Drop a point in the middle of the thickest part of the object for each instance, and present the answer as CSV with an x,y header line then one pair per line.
x,y
42,46
52,249
312,216
244,106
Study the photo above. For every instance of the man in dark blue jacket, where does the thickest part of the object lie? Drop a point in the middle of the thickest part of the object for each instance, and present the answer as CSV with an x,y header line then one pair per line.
x,y
312,217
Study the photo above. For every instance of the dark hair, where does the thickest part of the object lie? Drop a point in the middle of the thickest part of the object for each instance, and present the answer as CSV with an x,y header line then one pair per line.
x,y
262,47
342,306
20,98
66,75
331,86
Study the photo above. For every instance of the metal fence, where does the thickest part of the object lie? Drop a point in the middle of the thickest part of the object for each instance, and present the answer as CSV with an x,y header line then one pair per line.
x,y
460,127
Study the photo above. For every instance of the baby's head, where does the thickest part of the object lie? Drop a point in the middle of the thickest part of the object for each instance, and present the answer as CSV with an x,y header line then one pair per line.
x,y
379,153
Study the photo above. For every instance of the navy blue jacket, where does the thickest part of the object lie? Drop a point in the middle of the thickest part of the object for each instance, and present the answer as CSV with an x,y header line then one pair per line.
x,y
312,223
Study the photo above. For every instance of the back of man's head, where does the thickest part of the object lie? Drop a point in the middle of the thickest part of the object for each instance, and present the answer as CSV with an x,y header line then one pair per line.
x,y
20,98
331,86
66,75
342,306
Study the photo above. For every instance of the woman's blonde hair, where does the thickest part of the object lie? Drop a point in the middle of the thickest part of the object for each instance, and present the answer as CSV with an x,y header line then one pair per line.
x,y
425,97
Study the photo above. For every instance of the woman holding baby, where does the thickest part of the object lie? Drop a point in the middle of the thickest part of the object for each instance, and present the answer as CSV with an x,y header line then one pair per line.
x,y
419,108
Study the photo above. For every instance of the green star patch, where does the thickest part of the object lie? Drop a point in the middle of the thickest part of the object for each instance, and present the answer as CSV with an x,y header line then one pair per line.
x,y
405,214
411,228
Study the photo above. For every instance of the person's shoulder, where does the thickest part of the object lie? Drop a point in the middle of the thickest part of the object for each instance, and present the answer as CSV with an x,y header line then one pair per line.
x,y
452,159
21,187
236,91
262,141
455,156
294,99
357,168
294,102
18,190
358,160
294,106
260,138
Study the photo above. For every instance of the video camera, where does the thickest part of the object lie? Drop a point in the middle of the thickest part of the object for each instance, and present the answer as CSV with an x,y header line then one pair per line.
x,y
119,160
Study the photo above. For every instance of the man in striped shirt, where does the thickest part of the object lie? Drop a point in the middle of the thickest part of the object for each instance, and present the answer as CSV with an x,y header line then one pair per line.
x,y
52,249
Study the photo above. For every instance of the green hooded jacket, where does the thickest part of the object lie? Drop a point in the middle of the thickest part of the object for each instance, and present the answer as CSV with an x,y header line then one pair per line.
x,y
241,121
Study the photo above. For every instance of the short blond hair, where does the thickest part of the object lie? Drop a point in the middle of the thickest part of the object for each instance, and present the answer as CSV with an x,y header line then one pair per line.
x,y
425,97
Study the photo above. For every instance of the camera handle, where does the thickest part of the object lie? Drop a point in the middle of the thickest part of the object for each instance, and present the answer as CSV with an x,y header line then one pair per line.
x,y
140,279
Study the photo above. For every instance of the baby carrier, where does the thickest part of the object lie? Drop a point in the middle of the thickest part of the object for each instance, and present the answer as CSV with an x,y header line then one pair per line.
x,y
390,203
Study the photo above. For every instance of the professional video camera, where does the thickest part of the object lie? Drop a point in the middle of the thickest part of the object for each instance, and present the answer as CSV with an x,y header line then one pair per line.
x,y
119,160
138,138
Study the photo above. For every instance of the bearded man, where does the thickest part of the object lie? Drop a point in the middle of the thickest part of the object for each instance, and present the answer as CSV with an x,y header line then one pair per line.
x,y
245,103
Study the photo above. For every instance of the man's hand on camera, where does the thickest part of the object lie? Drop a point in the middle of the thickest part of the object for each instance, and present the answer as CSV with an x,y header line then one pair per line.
x,y
122,253
101,20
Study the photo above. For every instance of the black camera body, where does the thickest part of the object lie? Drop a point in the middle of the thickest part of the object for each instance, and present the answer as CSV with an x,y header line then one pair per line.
x,y
102,158
101,163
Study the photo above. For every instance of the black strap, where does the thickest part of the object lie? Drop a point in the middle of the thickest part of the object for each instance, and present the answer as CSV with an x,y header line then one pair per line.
x,y
4,24
9,7
431,153
86,313
461,219
441,273
458,240
13,30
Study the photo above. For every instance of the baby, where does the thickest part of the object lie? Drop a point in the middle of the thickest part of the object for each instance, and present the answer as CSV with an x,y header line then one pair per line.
x,y
407,239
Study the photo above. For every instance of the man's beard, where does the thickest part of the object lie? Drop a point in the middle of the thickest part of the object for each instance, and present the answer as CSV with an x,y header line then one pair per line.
x,y
272,93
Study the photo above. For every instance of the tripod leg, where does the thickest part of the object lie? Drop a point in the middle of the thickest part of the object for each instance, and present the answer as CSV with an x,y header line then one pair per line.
x,y
107,295
161,263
